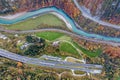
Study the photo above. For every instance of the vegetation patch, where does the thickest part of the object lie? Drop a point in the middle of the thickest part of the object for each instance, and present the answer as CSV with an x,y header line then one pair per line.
x,y
79,72
66,47
49,35
88,52
36,45
47,20
74,60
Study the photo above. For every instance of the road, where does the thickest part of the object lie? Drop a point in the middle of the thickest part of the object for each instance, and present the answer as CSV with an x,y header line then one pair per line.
x,y
61,64
65,32
89,16
92,37
52,64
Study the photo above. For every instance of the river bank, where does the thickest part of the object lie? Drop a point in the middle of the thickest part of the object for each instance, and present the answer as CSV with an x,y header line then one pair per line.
x,y
10,17
68,20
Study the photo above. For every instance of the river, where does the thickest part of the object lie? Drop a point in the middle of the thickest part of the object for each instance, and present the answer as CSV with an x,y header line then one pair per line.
x,y
62,13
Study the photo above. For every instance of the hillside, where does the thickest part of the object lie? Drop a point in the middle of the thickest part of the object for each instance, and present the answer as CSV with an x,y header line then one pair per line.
x,y
107,10
13,6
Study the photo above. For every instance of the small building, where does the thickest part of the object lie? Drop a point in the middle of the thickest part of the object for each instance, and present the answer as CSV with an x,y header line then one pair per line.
x,y
16,35
55,44
24,46
3,36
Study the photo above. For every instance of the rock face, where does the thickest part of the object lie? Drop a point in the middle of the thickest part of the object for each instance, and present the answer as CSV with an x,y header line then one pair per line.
x,y
106,9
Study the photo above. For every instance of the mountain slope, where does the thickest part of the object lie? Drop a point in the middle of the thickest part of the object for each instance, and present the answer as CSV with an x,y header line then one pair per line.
x,y
108,10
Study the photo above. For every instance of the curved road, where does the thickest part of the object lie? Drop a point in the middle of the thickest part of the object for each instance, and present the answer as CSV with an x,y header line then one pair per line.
x,y
88,15
63,31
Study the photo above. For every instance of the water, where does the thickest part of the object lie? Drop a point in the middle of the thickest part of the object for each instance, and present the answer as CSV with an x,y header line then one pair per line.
x,y
49,9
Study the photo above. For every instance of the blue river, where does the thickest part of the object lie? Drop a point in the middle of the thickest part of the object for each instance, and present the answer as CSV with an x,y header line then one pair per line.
x,y
61,12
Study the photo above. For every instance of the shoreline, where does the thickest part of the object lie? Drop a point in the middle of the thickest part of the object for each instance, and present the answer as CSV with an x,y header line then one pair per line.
x,y
62,18
13,16
68,20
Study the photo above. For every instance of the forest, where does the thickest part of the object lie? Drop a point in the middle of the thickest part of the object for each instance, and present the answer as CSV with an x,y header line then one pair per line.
x,y
107,10
13,6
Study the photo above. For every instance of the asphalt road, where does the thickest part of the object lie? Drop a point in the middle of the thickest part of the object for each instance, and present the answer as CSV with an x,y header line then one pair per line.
x,y
63,31
90,68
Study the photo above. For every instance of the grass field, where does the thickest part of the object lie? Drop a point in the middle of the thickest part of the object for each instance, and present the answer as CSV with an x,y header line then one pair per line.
x,y
46,20
66,47
89,53
50,35
79,72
